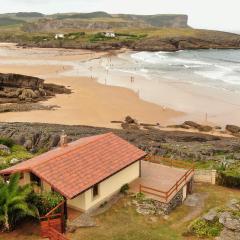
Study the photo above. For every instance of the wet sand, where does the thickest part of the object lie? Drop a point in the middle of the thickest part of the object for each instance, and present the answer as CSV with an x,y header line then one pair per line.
x,y
91,103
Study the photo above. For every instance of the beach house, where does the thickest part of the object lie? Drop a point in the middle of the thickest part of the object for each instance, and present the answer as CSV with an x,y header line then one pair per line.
x,y
59,36
89,171
109,34
85,172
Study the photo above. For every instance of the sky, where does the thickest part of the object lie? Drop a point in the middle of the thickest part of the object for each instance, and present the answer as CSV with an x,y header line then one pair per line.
x,y
207,14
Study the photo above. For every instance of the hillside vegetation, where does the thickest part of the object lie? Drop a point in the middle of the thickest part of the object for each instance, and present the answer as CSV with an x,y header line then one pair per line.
x,y
163,32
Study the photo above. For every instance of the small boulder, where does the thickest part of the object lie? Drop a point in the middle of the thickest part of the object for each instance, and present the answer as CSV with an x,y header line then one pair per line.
x,y
234,204
4,150
27,94
223,216
192,124
229,221
21,140
205,128
28,144
232,224
14,161
130,120
233,129
211,215
54,140
227,234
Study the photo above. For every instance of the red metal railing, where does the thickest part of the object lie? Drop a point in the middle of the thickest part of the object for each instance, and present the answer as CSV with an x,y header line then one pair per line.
x,y
165,195
52,224
53,234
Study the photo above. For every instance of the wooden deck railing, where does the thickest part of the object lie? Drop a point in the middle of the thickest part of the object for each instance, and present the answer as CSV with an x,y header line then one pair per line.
x,y
165,195
169,162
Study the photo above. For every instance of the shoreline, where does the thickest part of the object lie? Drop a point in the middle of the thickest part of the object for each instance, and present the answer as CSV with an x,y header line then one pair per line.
x,y
112,96
101,104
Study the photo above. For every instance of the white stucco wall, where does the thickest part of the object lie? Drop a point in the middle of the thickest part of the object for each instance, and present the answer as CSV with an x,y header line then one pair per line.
x,y
107,188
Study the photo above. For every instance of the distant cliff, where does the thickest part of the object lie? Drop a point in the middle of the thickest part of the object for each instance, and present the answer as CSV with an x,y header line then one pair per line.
x,y
101,21
161,32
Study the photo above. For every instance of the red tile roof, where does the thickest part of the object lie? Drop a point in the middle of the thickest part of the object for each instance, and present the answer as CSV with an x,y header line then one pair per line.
x,y
76,167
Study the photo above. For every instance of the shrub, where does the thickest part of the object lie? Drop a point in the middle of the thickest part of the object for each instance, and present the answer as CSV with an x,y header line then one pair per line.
x,y
45,202
202,228
7,142
140,197
229,178
124,189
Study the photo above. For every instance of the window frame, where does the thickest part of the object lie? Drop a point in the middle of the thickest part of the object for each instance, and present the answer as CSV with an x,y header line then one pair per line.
x,y
95,191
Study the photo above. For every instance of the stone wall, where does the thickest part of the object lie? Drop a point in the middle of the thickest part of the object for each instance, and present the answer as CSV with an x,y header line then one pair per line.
x,y
205,176
167,208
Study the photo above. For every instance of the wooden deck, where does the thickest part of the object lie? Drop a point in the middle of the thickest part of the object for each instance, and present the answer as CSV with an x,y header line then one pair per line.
x,y
160,182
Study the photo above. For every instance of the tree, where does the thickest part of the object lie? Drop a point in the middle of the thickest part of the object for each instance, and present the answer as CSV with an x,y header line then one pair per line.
x,y
13,202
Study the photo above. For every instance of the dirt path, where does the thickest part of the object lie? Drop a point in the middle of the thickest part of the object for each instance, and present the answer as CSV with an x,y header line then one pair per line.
x,y
196,203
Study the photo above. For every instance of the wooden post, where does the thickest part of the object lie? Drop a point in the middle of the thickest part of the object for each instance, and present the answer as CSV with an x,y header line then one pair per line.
x,y
140,188
64,214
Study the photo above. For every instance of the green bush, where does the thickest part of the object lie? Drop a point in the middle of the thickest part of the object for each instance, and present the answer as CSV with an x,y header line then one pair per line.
x,y
7,142
140,197
4,166
124,189
203,228
229,178
45,202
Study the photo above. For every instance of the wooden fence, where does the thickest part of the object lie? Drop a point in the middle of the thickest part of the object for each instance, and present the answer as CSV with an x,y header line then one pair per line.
x,y
169,162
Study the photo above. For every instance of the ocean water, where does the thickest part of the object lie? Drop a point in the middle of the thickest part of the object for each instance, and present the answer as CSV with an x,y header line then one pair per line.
x,y
211,68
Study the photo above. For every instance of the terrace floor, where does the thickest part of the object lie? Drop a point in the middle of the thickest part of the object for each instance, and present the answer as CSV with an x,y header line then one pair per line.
x,y
160,179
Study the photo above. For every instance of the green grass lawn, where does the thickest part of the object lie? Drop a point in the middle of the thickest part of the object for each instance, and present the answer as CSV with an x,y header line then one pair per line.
x,y
18,152
122,222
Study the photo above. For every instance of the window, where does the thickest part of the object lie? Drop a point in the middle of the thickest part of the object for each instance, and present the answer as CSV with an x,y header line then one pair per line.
x,y
35,179
95,190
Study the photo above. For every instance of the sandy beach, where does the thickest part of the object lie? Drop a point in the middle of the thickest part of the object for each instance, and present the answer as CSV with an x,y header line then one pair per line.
x,y
108,86
90,103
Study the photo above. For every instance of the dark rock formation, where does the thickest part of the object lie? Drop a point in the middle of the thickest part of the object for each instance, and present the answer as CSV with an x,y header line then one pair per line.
x,y
20,81
175,144
21,89
201,128
233,129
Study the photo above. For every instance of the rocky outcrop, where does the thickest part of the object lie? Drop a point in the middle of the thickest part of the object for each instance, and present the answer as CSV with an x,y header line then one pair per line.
x,y
201,128
228,220
177,144
20,81
16,88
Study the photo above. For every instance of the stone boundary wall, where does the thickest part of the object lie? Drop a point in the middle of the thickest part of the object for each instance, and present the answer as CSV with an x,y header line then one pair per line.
x,y
205,176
